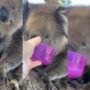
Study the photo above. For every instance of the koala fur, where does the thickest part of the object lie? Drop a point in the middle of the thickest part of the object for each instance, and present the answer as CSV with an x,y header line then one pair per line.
x,y
11,19
51,27
79,36
79,32
51,24
10,60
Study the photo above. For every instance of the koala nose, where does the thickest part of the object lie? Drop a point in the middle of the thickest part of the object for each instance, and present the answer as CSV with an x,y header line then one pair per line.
x,y
4,14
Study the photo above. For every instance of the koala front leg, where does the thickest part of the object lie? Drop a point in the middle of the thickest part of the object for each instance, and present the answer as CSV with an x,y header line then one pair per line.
x,y
61,84
57,69
12,57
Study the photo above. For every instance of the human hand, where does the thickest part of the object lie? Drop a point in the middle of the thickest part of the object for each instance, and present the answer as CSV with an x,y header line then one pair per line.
x,y
28,48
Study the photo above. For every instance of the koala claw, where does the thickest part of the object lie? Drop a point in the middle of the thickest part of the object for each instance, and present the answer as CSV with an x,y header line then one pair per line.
x,y
13,85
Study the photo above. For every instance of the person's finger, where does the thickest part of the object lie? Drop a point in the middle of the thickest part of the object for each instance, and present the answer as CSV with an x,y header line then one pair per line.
x,y
28,65
35,41
35,63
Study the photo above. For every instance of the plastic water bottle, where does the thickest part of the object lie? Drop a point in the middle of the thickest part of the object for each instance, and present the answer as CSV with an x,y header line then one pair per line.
x,y
76,64
43,53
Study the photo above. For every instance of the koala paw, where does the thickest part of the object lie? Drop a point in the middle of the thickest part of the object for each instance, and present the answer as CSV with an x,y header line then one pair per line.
x,y
52,86
49,84
12,85
3,77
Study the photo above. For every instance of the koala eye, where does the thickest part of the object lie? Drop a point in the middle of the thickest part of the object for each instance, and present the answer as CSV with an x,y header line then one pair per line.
x,y
13,8
83,43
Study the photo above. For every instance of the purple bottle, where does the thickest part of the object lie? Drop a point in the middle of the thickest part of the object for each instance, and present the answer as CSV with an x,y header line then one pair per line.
x,y
76,64
43,53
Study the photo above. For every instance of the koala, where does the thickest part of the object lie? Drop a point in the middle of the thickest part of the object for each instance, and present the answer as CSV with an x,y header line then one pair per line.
x,y
57,38
11,21
79,34
79,31
51,24
11,14
10,61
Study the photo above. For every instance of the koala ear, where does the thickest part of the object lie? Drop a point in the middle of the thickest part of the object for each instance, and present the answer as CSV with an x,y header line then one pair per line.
x,y
62,10
62,18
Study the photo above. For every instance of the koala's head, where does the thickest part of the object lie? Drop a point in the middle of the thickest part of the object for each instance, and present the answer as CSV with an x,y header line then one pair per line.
x,y
49,23
10,16
79,30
